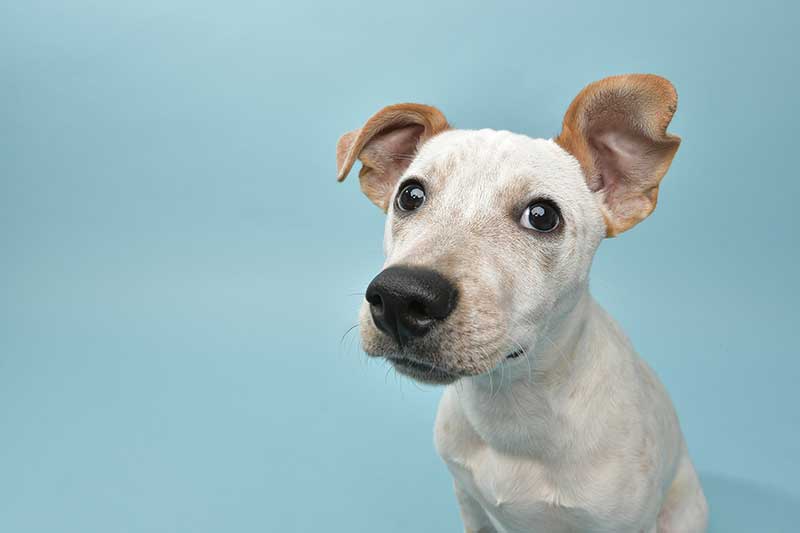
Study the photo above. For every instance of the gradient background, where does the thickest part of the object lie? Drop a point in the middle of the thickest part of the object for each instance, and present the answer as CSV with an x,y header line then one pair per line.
x,y
178,264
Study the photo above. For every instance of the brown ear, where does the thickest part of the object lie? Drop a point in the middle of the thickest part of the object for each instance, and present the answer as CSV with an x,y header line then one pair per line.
x,y
386,144
617,129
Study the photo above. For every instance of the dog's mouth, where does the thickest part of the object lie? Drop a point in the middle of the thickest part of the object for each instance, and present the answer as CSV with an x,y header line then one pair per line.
x,y
430,373
424,372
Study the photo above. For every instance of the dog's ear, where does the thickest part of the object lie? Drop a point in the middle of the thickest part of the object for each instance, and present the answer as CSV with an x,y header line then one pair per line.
x,y
386,144
617,129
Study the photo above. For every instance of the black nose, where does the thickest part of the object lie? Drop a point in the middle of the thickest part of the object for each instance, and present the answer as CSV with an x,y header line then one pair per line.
x,y
407,301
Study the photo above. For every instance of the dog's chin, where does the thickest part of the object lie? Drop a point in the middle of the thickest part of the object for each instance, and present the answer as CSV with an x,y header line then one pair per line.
x,y
423,372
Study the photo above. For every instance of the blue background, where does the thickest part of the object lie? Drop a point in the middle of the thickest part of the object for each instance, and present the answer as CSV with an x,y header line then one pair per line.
x,y
178,265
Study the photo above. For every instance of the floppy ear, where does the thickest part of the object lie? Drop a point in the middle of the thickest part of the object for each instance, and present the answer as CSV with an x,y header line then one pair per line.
x,y
617,129
386,144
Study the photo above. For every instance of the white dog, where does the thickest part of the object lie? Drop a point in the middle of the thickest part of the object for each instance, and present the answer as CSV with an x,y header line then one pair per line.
x,y
550,422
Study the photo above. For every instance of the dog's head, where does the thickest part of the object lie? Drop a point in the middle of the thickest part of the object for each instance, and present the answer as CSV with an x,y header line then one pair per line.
x,y
489,234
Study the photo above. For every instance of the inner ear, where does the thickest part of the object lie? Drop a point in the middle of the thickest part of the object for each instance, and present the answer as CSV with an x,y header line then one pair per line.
x,y
624,154
386,158
386,146
614,148
616,128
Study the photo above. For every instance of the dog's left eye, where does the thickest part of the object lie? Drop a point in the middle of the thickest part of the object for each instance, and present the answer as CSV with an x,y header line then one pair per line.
x,y
541,215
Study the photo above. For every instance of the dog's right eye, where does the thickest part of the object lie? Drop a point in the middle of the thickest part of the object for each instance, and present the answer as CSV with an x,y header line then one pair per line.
x,y
411,196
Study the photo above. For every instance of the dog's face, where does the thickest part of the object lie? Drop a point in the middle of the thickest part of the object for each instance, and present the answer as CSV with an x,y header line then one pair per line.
x,y
490,235
466,208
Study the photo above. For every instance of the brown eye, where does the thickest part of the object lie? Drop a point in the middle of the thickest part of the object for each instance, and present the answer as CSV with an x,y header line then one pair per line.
x,y
541,216
411,196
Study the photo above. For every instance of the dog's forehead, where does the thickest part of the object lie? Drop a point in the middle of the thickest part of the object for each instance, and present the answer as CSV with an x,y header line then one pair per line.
x,y
489,162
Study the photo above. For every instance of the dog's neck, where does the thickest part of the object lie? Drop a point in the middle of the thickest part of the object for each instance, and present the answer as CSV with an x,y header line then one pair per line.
x,y
527,404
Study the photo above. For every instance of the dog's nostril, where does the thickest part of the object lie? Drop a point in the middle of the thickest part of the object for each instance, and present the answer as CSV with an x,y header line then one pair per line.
x,y
417,311
375,301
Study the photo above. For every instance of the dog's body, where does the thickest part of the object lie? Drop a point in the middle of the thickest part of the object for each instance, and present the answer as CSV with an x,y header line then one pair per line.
x,y
590,445
551,422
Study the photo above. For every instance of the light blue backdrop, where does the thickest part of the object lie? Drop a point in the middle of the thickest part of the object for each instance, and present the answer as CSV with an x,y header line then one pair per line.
x,y
178,264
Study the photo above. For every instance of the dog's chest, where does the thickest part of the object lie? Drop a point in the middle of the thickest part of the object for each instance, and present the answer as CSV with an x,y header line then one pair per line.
x,y
517,493
520,493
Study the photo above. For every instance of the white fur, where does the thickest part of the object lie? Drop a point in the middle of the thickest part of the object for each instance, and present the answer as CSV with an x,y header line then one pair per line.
x,y
577,434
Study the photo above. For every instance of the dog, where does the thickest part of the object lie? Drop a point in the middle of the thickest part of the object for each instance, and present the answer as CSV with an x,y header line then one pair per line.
x,y
550,422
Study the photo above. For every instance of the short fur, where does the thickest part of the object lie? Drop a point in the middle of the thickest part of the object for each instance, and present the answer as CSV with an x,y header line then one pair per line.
x,y
577,433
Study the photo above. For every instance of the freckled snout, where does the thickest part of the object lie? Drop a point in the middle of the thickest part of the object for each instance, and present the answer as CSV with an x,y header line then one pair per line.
x,y
406,302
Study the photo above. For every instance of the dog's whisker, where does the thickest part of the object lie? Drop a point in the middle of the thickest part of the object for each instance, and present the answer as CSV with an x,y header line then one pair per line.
x,y
346,341
502,377
491,384
351,328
